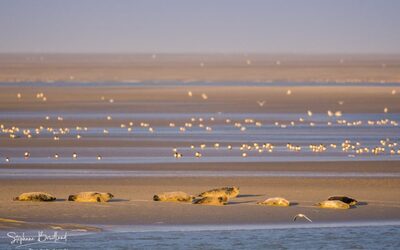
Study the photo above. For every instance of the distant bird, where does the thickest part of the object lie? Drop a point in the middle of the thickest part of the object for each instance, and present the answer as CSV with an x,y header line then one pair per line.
x,y
338,113
99,157
74,155
7,159
56,156
288,92
301,216
178,155
261,103
26,155
190,93
204,96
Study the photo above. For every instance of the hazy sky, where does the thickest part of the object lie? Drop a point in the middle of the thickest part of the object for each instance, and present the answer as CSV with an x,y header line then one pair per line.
x,y
297,26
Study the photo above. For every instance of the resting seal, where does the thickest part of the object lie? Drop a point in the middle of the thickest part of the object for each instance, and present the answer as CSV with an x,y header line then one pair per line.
x,y
229,192
212,200
335,204
173,197
90,197
344,199
35,196
276,201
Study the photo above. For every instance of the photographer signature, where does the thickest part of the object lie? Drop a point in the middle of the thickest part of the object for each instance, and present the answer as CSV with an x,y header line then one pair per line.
x,y
22,240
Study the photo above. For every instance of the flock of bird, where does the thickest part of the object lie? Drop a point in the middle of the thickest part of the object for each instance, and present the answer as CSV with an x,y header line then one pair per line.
x,y
346,146
209,124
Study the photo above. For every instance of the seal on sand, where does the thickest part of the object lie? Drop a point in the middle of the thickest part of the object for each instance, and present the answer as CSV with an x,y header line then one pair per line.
x,y
173,197
91,197
35,196
276,201
229,192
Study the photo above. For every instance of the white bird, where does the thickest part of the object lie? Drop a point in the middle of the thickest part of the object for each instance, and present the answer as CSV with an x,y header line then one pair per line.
x,y
301,216
261,103
178,155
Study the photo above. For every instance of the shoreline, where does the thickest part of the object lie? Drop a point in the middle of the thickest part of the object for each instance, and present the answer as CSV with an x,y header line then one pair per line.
x,y
78,229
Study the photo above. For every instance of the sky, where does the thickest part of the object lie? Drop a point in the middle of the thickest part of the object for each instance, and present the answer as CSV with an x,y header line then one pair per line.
x,y
207,26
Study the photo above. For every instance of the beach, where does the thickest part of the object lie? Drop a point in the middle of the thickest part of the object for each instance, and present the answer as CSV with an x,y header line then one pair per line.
x,y
199,125
137,164
133,204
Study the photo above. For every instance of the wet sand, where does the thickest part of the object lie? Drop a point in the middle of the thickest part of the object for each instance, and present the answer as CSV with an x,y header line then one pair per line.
x,y
199,67
174,99
133,203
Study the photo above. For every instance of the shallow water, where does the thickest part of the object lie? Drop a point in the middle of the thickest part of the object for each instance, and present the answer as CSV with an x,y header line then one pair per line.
x,y
68,173
304,236
302,134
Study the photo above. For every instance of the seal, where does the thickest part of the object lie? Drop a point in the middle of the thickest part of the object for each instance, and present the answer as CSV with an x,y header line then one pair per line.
x,y
333,204
90,197
173,197
229,192
275,201
344,199
35,196
212,201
